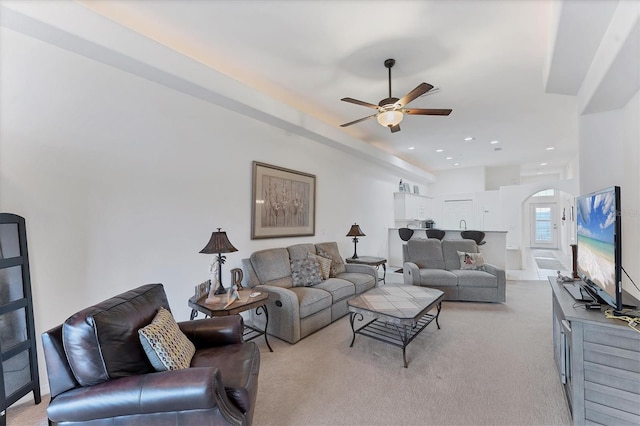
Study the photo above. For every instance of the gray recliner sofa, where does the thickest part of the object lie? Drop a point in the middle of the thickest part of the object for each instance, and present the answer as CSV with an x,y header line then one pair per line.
x,y
436,264
296,312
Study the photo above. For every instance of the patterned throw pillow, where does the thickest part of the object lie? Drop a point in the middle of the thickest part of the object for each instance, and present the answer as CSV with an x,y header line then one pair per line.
x,y
332,271
165,344
325,265
305,272
471,260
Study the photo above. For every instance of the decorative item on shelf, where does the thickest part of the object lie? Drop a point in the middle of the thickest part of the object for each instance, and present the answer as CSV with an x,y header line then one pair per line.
x,y
401,186
355,232
407,187
416,189
218,244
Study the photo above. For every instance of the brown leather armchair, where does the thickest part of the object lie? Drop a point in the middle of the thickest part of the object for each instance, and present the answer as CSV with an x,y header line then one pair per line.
x,y
99,373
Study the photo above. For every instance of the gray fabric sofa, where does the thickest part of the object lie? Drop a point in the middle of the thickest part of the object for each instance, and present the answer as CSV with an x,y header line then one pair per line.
x,y
296,312
432,263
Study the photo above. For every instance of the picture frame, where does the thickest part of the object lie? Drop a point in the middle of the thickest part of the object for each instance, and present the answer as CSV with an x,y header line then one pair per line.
x,y
283,202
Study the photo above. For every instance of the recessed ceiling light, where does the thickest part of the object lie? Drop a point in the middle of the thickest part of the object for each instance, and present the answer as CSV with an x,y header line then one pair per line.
x,y
550,148
439,150
412,147
456,164
543,164
469,138
448,158
493,142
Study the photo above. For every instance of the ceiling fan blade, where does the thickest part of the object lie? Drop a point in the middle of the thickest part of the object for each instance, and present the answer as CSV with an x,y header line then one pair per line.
x,y
357,102
358,121
418,111
395,128
420,90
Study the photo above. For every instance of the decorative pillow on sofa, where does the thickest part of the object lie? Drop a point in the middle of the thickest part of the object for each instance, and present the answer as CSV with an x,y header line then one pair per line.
x,y
330,251
165,344
325,265
305,272
471,260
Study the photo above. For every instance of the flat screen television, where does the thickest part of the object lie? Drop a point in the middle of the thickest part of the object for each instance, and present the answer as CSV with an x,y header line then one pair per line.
x,y
599,260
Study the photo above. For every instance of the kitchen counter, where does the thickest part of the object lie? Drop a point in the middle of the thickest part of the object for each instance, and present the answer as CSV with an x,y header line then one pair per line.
x,y
494,251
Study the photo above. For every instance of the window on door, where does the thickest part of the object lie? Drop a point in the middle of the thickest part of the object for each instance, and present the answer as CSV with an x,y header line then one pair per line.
x,y
543,225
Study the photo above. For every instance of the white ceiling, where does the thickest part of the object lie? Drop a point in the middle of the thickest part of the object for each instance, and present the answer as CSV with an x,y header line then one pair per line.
x,y
486,58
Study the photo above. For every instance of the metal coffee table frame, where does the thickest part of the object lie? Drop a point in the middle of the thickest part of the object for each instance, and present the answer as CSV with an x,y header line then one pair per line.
x,y
393,330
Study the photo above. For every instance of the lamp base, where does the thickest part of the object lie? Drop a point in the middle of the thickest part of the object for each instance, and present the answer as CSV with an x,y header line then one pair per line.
x,y
220,290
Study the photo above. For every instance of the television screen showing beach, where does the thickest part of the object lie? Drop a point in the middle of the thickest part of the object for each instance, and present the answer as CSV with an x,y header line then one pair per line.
x,y
596,217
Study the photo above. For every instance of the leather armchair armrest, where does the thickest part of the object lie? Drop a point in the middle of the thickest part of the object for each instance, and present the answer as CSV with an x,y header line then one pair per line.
x,y
216,331
168,391
411,273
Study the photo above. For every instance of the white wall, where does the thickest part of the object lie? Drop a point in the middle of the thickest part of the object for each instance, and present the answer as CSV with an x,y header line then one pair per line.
x,y
458,181
609,155
122,180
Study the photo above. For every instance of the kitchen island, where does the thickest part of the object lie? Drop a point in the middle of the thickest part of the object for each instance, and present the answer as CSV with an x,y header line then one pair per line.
x,y
494,251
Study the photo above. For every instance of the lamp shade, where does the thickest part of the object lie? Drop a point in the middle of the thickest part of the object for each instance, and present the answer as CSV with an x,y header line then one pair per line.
x,y
218,243
390,118
355,231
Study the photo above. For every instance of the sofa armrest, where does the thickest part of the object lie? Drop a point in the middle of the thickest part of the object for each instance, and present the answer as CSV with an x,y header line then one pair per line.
x,y
284,313
363,269
217,331
502,280
411,273
177,390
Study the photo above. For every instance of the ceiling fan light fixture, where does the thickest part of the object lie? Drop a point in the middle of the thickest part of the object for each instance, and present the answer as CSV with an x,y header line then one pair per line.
x,y
390,118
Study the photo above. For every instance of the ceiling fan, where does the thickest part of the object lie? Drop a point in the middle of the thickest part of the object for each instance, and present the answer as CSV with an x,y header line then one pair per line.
x,y
391,110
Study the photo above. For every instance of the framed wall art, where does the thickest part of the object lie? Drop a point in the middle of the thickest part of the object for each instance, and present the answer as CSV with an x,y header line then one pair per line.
x,y
283,202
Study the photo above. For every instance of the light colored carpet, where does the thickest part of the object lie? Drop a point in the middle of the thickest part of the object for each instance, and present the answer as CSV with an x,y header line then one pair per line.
x,y
490,364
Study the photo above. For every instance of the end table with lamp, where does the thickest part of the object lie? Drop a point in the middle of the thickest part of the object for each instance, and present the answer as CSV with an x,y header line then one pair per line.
x,y
356,232
215,304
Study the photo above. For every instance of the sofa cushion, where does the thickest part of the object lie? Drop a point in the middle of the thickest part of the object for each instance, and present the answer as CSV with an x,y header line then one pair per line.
x,y
101,341
311,300
471,260
338,288
472,278
300,251
165,345
305,272
271,264
426,253
362,282
450,249
331,249
437,278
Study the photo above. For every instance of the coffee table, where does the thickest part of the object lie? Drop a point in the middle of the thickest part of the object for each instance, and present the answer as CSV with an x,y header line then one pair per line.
x,y
399,313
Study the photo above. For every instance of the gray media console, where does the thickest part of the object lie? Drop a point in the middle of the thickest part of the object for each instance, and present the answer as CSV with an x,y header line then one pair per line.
x,y
598,360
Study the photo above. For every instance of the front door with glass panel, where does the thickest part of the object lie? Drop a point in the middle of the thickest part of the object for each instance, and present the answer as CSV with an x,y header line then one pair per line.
x,y
544,228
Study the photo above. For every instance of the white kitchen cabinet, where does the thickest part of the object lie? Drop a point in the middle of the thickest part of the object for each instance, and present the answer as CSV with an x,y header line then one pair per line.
x,y
409,206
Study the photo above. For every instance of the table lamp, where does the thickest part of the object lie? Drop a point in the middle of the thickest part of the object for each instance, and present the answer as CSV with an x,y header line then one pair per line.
x,y
218,244
355,232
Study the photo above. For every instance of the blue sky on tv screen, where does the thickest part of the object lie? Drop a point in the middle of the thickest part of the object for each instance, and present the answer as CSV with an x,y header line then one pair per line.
x,y
597,216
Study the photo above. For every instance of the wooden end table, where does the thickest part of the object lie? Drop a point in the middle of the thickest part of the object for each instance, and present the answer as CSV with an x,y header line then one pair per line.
x,y
245,303
372,261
